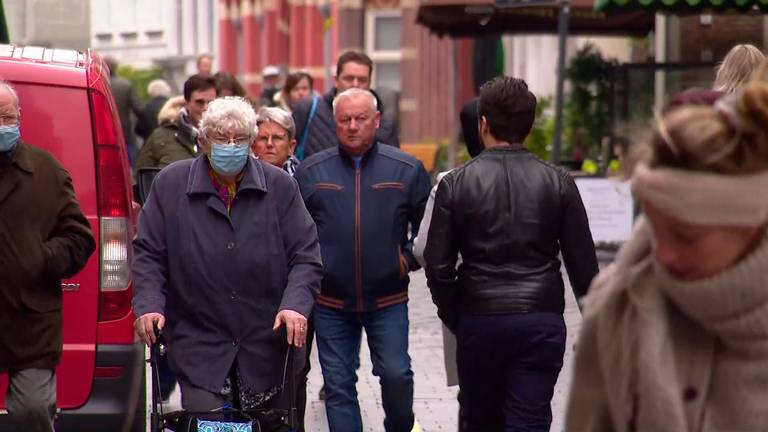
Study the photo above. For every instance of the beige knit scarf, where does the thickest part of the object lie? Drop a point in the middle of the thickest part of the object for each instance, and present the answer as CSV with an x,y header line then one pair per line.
x,y
634,337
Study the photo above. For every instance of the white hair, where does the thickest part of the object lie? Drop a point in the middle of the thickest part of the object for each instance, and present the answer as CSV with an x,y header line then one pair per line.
x,y
158,87
6,85
355,92
228,113
278,116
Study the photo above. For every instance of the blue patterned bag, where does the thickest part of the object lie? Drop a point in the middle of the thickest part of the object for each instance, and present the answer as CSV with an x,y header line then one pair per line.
x,y
223,426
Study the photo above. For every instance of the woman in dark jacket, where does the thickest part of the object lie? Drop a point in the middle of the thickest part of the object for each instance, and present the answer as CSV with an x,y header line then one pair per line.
x,y
226,255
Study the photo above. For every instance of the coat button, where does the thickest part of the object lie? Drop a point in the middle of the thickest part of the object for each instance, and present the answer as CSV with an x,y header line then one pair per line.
x,y
233,295
230,245
235,342
689,394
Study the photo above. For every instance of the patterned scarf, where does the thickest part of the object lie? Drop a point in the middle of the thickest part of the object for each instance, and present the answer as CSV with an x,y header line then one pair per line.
x,y
224,189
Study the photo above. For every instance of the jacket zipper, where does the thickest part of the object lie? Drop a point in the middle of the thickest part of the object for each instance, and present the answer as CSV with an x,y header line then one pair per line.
x,y
358,269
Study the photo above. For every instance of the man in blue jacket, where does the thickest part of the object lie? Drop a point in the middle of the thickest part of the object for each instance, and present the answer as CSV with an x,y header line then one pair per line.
x,y
363,196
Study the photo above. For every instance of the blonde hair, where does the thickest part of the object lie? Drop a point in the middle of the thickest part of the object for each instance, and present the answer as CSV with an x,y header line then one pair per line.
x,y
737,67
730,137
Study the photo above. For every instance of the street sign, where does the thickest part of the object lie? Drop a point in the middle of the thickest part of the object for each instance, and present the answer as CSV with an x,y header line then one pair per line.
x,y
610,208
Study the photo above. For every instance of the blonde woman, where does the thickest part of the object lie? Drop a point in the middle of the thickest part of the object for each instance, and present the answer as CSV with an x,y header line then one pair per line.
x,y
675,331
737,67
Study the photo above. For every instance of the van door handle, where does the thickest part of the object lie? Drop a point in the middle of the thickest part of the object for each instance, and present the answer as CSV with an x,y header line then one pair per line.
x,y
70,286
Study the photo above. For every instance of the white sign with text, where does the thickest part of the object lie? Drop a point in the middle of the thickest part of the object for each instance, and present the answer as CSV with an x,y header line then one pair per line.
x,y
610,208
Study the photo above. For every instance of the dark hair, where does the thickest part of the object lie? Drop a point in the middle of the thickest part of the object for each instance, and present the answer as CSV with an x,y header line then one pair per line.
x,y
508,107
468,117
225,80
111,64
295,78
197,83
353,57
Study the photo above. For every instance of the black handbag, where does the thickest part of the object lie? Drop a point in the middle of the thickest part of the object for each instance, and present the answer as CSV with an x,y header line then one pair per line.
x,y
226,419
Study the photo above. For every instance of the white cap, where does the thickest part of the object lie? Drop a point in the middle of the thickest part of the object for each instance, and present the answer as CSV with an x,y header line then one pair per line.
x,y
270,71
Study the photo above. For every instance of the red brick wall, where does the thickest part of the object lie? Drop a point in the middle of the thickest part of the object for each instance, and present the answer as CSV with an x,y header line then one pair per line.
x,y
711,42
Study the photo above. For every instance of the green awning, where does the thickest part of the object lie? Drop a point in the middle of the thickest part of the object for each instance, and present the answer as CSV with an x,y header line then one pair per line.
x,y
683,6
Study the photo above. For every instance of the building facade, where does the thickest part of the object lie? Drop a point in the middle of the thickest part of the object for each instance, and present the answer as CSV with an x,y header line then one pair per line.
x,y
148,33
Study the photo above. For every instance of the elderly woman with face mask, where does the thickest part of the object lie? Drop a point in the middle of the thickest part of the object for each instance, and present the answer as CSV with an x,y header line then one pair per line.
x,y
675,331
276,138
227,264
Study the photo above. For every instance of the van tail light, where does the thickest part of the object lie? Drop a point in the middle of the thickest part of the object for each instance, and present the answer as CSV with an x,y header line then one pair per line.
x,y
115,216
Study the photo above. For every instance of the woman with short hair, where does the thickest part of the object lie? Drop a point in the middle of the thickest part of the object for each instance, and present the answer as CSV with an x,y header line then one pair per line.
x,y
276,138
226,256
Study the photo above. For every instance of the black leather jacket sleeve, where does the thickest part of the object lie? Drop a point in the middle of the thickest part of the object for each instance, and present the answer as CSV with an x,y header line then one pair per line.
x,y
576,243
442,253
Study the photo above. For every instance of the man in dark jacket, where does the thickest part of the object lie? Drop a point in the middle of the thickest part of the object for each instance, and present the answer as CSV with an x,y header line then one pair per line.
x,y
363,196
316,127
509,215
42,240
127,103
178,140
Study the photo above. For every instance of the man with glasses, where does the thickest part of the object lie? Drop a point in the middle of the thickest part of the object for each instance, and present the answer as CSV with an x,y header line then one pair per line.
x,y
42,241
177,140
363,197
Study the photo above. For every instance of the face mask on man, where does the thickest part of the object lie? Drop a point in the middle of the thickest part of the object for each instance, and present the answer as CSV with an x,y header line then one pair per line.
x,y
228,159
9,138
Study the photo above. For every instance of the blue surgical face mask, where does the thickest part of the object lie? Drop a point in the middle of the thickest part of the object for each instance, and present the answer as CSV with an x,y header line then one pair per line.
x,y
228,159
9,137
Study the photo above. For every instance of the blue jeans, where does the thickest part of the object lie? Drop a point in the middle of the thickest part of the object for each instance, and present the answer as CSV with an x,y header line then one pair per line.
x,y
338,345
508,366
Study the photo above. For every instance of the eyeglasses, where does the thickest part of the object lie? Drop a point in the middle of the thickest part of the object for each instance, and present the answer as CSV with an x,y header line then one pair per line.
x,y
276,138
8,120
230,141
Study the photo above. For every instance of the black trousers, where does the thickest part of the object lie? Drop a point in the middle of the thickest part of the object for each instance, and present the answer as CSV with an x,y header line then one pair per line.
x,y
508,366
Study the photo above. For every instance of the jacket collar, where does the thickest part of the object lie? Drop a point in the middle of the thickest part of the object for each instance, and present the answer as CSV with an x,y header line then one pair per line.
x,y
369,154
22,158
513,148
200,181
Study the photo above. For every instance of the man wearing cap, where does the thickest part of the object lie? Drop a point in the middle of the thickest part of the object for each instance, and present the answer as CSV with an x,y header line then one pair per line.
x,y
271,76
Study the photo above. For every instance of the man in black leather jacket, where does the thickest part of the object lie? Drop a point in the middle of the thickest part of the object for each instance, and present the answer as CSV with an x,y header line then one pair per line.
x,y
509,215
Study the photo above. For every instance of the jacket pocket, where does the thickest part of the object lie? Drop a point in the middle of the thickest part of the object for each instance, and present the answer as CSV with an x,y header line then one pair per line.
x,y
388,185
328,186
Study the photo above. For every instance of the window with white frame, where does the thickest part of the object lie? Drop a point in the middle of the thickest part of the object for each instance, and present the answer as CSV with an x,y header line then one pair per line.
x,y
383,42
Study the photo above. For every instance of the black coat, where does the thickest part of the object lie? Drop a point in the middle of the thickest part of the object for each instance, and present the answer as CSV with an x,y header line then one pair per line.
x,y
147,119
44,237
322,130
509,214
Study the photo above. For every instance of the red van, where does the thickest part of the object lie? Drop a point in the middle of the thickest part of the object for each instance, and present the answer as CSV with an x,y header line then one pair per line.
x,y
67,109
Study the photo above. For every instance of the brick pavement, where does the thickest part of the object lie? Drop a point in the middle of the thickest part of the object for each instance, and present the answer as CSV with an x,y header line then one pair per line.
x,y
434,403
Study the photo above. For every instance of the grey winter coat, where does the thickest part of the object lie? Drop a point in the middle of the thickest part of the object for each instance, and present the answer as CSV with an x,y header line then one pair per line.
x,y
220,278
